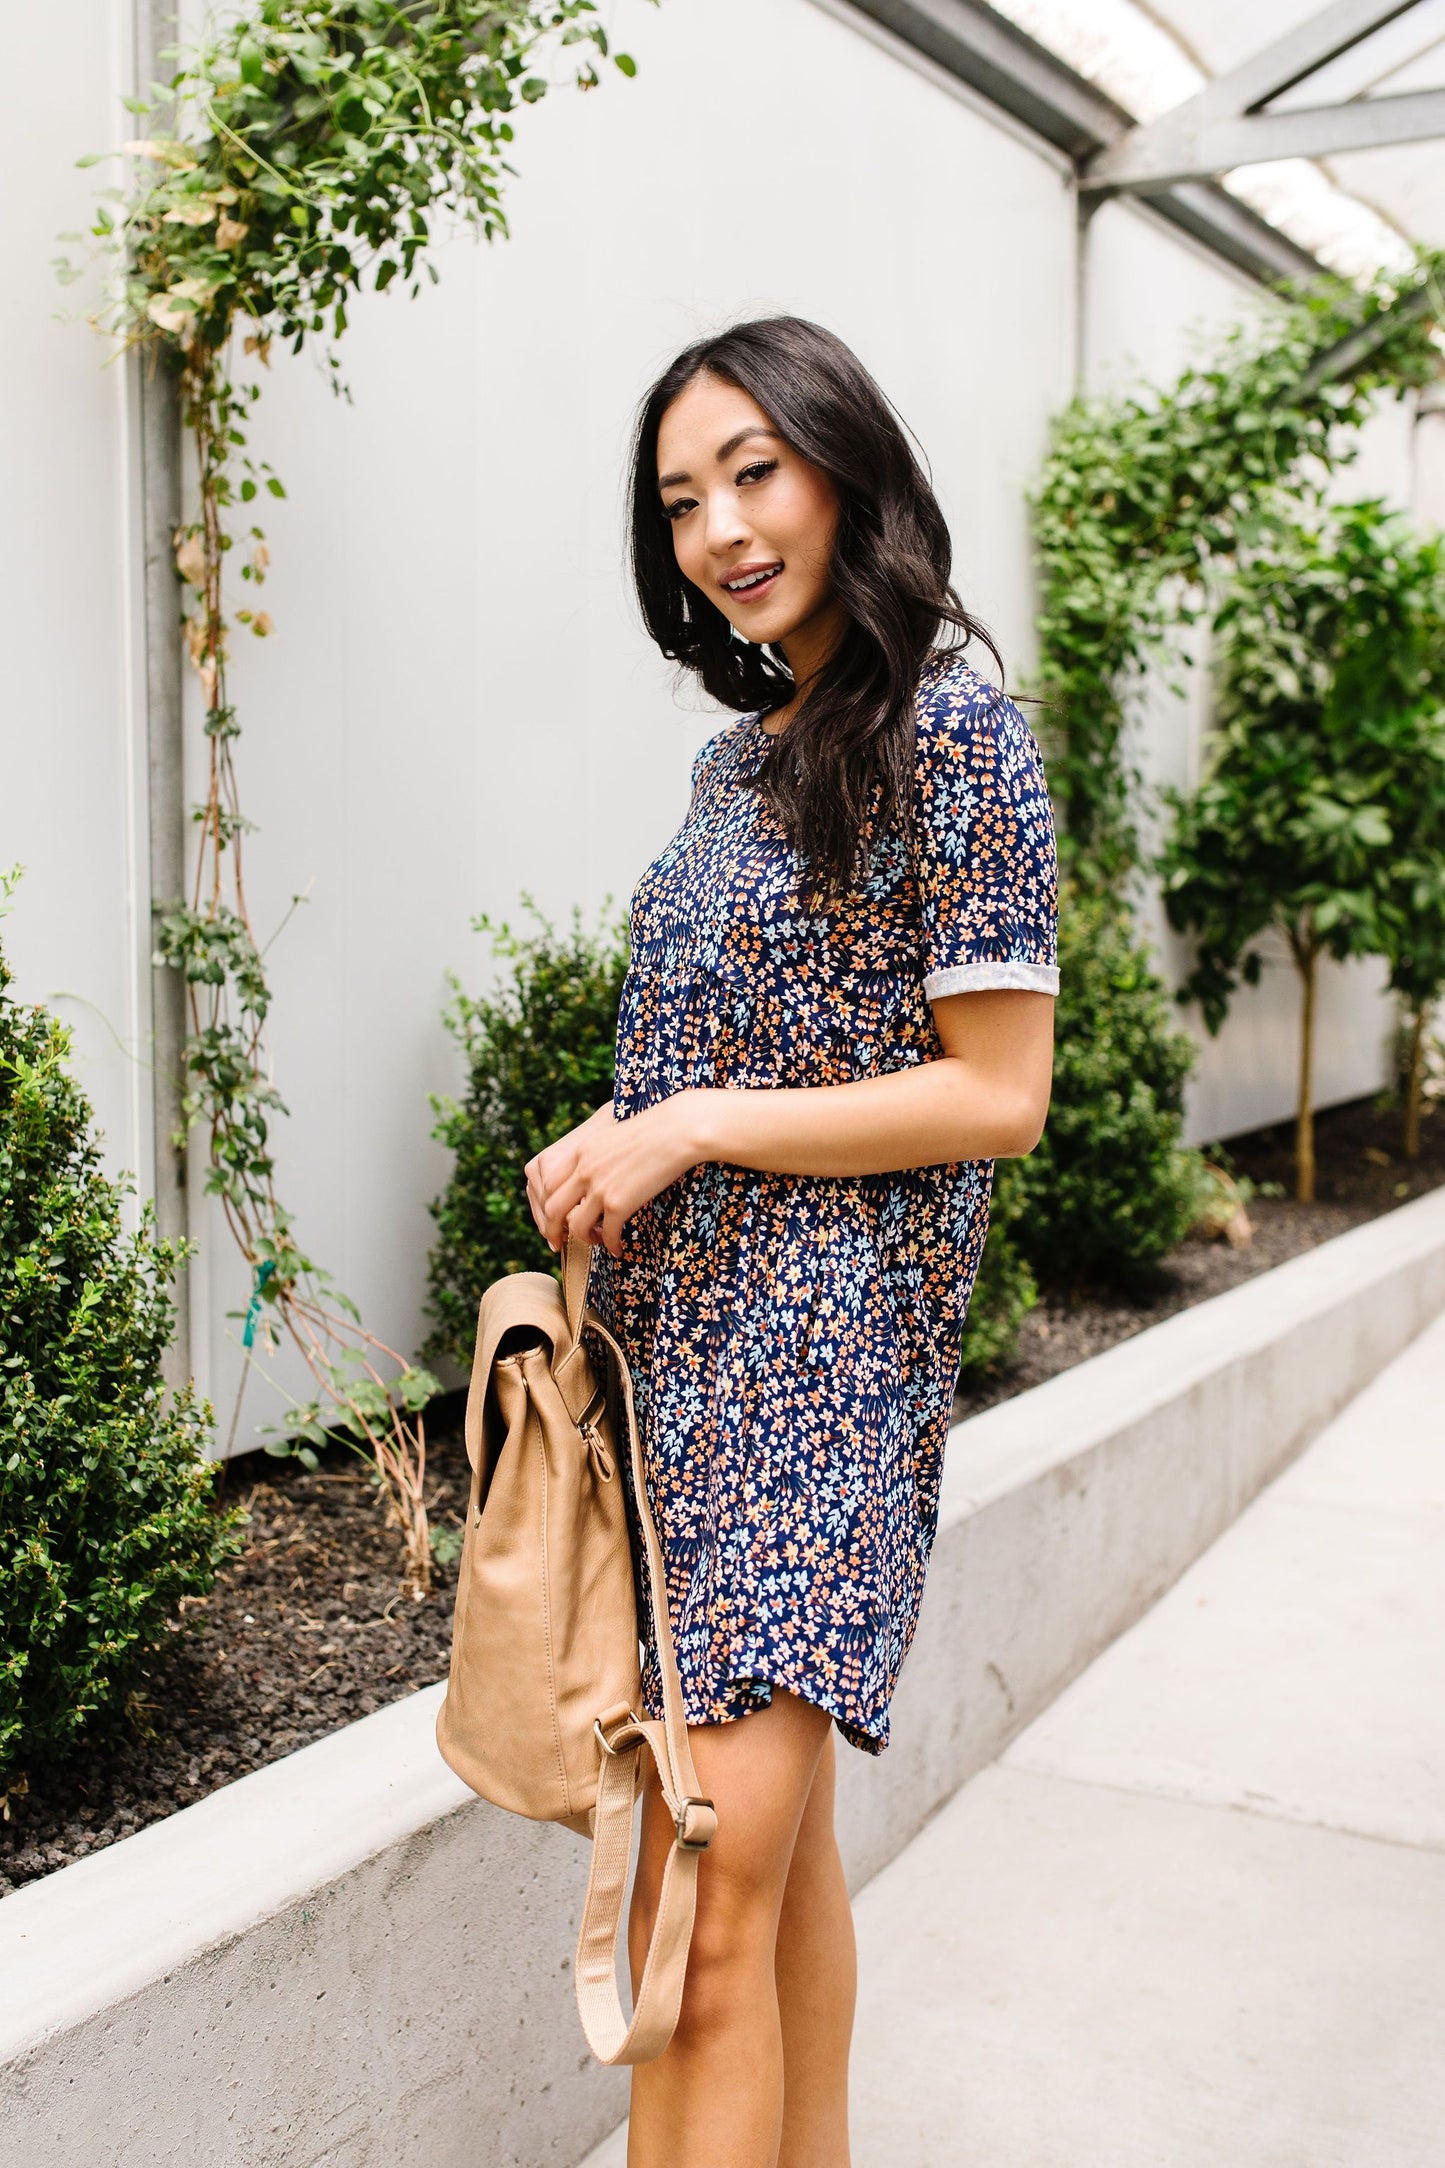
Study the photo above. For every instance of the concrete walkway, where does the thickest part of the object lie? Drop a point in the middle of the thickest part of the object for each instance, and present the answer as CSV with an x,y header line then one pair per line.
x,y
1194,1916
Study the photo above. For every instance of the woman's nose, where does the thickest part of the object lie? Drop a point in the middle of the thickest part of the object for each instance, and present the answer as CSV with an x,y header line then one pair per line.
x,y
726,527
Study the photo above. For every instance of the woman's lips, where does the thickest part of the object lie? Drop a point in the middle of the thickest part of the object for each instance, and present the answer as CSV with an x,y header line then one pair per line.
x,y
758,590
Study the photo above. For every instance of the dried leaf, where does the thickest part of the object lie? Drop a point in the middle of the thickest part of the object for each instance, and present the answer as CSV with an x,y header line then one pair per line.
x,y
168,152
171,315
262,624
231,230
195,211
191,560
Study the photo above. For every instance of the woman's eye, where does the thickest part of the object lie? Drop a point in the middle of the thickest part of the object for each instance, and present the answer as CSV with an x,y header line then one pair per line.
x,y
757,470
678,506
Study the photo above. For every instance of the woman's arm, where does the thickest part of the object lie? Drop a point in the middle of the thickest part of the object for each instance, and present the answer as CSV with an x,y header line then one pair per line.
x,y
986,1098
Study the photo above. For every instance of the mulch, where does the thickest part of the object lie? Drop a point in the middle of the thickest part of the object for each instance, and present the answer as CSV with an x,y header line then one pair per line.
x,y
305,1631
1360,1174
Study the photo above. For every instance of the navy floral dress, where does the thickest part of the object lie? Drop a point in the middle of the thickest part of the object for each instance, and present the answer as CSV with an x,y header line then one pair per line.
x,y
794,1340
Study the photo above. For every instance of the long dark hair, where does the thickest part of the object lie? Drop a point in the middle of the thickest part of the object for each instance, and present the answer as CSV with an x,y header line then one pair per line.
x,y
890,570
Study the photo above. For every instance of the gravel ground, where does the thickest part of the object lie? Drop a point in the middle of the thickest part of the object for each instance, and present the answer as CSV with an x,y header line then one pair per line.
x,y
305,1630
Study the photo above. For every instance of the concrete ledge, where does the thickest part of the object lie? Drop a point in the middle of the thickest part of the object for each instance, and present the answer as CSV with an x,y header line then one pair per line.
x,y
1069,1509
345,1959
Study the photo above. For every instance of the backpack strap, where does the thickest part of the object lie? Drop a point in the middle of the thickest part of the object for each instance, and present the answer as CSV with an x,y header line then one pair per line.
x,y
624,1736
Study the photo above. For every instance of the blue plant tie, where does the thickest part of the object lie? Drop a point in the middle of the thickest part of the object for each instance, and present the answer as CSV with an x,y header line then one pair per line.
x,y
253,1311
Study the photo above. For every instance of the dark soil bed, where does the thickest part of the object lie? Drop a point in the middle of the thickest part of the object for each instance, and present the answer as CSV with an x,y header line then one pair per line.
x,y
1360,1173
305,1630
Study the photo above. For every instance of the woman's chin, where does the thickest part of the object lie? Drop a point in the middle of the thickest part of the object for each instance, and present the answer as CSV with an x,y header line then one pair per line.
x,y
768,630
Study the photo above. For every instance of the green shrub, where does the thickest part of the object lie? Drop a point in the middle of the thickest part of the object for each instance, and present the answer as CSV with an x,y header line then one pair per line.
x,y
539,1054
106,1515
1110,1190
1005,1289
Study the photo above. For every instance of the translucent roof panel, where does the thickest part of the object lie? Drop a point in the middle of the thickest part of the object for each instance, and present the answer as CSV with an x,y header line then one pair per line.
x,y
1356,210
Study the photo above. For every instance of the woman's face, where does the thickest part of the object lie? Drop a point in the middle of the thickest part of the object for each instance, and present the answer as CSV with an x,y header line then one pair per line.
x,y
752,520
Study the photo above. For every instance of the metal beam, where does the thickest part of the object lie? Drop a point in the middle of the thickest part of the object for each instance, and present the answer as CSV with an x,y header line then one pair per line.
x,y
1357,346
1231,230
1222,126
160,482
1188,149
1006,66
1313,43
985,51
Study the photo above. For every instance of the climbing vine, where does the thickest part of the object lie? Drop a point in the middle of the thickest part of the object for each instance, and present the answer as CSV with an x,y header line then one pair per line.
x,y
310,146
1143,498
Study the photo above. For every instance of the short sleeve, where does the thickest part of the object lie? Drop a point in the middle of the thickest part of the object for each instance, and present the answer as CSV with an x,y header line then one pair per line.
x,y
985,851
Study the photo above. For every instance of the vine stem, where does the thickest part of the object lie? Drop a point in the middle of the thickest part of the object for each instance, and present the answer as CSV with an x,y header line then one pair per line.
x,y
340,1355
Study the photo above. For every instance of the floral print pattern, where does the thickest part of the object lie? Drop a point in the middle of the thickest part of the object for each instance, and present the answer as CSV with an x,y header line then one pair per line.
x,y
794,1340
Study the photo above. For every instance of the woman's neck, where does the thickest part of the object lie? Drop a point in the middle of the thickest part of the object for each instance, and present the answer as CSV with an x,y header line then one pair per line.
x,y
806,651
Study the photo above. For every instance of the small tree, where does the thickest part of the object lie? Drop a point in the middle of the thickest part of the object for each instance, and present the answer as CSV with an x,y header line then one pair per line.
x,y
1329,638
539,1054
106,1515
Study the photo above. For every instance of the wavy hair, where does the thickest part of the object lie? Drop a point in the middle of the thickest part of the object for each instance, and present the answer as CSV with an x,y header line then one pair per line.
x,y
890,570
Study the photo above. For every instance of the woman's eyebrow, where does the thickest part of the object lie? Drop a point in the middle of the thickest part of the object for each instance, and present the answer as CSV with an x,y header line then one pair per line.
x,y
724,451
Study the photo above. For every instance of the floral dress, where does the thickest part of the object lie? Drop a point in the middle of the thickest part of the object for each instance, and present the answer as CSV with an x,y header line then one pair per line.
x,y
794,1340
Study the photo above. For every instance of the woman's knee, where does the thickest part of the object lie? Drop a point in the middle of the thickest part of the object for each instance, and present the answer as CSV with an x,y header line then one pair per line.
x,y
734,1940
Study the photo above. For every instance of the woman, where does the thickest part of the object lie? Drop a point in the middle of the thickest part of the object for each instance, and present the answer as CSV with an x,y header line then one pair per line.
x,y
838,1013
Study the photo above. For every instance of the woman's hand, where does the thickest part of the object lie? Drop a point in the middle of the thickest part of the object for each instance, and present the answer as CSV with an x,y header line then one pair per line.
x,y
591,1181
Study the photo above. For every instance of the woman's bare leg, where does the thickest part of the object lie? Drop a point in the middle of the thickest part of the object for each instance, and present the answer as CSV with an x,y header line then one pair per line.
x,y
817,1975
715,2098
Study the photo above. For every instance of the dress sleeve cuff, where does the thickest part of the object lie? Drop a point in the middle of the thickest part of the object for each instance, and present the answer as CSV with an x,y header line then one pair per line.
x,y
989,978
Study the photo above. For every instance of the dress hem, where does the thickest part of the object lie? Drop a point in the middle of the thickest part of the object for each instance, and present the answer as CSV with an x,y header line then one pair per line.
x,y
734,1701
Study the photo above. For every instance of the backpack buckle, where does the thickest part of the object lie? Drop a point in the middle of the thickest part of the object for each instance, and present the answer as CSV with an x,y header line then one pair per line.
x,y
696,1824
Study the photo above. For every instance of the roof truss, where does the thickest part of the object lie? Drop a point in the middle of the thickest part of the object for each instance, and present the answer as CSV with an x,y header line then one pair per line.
x,y
993,57
1224,125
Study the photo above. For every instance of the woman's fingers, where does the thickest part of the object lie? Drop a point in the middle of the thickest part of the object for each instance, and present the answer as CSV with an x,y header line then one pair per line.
x,y
567,1201
537,1197
548,1188
609,1232
567,1191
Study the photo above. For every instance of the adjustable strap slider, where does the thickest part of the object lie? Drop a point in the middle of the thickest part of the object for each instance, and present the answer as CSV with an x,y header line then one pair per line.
x,y
696,1824
619,1718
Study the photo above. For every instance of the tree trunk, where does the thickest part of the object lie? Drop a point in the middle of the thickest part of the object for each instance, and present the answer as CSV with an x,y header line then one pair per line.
x,y
1415,1082
1307,960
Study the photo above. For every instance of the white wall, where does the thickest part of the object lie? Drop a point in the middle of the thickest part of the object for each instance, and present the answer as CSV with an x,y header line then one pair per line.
x,y
72,792
458,703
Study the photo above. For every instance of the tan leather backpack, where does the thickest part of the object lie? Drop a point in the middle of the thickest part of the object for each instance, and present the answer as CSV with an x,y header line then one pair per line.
x,y
540,1714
